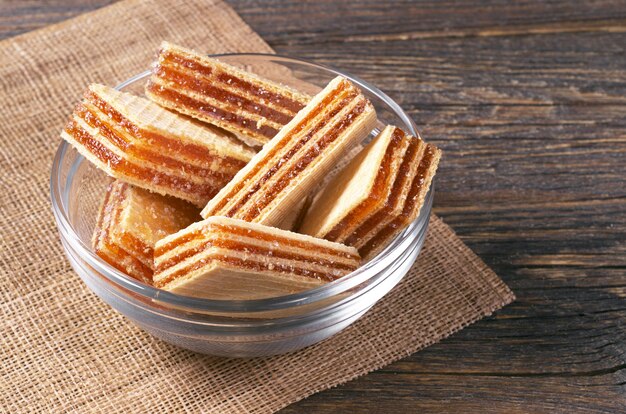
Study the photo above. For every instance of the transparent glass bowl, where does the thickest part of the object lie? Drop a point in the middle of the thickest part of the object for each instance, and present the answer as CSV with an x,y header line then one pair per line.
x,y
233,328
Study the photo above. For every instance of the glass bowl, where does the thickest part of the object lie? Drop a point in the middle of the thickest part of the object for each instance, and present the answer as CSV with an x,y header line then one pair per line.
x,y
247,328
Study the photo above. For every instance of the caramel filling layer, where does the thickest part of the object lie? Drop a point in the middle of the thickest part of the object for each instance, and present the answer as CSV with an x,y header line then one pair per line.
x,y
313,112
220,116
256,90
300,165
186,149
137,270
415,194
206,88
363,209
148,175
137,246
238,231
412,154
102,213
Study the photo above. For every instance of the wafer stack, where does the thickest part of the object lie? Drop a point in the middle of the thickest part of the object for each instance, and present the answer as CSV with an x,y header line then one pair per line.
x,y
377,195
359,191
130,222
225,258
288,166
135,140
209,90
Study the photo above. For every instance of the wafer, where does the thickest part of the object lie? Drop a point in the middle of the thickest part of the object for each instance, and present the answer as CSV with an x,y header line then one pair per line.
x,y
130,222
415,200
398,195
350,211
382,235
225,258
290,165
359,191
215,92
135,140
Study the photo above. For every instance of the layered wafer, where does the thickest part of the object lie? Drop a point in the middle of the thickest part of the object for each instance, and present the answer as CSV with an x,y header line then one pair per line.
x,y
380,236
225,258
290,165
215,92
360,190
130,222
136,140
378,194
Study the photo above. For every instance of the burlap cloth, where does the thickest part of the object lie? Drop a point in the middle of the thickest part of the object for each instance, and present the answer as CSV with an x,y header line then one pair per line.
x,y
62,349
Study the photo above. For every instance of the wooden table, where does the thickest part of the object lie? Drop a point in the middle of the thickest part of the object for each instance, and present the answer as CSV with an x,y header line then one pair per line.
x,y
528,102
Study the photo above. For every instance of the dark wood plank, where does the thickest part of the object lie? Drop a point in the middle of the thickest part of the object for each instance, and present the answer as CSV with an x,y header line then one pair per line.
x,y
19,16
528,101
436,393
318,22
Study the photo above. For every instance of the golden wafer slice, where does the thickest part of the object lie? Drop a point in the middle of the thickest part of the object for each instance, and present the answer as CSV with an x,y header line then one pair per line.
x,y
215,92
376,196
283,173
135,140
397,197
225,258
359,191
130,222
418,188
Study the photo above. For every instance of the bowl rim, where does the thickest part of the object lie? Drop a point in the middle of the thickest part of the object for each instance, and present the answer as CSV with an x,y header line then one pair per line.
x,y
369,272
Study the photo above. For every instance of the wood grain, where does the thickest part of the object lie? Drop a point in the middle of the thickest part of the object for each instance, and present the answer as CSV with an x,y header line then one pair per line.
x,y
528,101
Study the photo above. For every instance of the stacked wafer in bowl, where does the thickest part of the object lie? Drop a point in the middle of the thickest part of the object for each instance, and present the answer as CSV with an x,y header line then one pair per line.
x,y
130,222
220,94
377,195
136,140
197,139
236,259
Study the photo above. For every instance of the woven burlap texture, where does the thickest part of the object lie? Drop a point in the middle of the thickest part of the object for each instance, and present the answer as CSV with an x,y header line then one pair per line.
x,y
63,350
